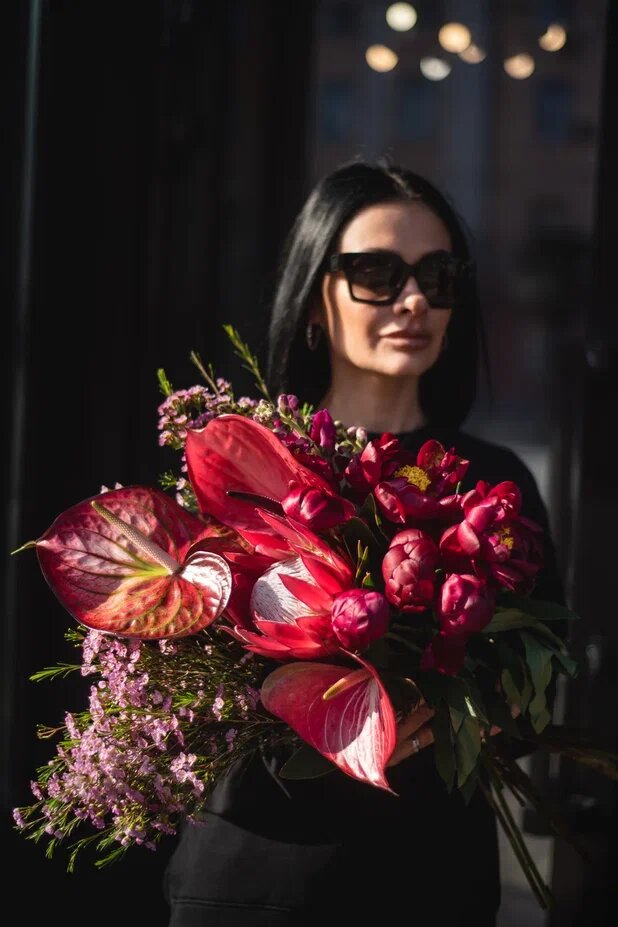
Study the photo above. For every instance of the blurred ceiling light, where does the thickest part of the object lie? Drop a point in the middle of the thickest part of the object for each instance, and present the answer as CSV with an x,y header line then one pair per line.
x,y
454,37
472,54
435,68
401,16
519,66
380,58
554,38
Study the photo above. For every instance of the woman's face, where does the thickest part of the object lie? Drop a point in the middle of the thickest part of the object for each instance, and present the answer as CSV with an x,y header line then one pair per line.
x,y
402,339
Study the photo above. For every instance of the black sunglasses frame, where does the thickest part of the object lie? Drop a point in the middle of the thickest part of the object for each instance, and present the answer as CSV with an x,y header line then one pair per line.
x,y
343,262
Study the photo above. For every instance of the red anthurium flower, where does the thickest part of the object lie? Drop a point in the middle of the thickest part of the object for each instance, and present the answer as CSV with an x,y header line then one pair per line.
x,y
409,570
123,562
246,567
466,604
445,654
355,728
234,453
315,507
359,617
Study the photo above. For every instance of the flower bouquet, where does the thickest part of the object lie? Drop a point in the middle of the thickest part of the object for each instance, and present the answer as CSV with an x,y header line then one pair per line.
x,y
293,585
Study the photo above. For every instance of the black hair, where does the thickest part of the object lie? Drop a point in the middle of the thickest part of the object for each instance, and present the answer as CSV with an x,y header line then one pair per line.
x,y
446,391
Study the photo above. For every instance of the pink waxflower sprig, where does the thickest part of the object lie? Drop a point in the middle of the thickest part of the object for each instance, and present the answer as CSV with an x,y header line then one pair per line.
x,y
163,722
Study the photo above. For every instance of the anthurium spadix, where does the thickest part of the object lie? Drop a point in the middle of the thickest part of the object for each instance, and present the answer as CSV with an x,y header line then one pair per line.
x,y
126,562
345,714
234,453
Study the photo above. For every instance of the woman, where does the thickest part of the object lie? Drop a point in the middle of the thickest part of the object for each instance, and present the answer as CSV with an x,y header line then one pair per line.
x,y
376,317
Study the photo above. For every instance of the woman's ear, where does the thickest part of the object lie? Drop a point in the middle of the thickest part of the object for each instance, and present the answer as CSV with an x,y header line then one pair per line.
x,y
316,314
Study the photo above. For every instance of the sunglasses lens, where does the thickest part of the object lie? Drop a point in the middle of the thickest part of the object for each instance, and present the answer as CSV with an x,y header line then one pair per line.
x,y
441,278
374,276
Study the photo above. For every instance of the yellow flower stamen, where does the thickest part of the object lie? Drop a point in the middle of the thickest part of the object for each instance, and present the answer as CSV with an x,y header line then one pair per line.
x,y
415,475
506,537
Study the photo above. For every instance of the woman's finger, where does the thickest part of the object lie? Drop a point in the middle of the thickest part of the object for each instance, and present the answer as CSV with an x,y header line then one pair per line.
x,y
416,741
413,721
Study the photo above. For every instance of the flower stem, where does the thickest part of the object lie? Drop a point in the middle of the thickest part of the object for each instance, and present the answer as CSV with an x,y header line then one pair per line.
x,y
495,798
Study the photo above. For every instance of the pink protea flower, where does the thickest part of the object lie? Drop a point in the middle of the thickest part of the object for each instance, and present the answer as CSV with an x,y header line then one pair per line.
x,y
291,603
409,570
359,617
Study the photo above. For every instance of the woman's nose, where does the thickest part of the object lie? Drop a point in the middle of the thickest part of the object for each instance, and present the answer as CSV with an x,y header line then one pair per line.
x,y
411,299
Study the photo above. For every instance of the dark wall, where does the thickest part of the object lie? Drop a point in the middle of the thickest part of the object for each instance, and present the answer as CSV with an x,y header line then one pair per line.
x,y
168,163
587,894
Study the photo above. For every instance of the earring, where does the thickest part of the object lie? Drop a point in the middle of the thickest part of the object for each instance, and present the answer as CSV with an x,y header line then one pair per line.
x,y
313,334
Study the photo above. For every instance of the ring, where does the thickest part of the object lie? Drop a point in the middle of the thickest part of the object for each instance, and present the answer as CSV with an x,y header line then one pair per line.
x,y
415,743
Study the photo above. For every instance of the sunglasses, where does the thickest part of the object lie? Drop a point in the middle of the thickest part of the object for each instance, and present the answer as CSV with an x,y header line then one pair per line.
x,y
378,277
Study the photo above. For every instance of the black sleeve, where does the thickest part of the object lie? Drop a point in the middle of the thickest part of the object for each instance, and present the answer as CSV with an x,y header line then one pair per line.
x,y
549,584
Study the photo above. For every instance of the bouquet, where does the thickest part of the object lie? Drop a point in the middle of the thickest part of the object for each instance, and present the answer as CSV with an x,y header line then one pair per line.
x,y
294,586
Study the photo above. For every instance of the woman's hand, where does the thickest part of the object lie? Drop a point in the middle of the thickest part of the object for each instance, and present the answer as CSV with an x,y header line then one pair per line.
x,y
414,733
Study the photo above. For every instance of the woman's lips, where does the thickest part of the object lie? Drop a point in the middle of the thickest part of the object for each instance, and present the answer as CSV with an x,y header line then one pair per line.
x,y
411,339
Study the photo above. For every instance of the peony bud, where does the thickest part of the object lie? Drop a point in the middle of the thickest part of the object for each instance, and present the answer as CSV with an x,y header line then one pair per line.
x,y
409,570
466,604
359,617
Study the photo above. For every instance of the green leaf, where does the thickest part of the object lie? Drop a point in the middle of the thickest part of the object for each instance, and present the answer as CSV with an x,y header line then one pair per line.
x,y
513,662
510,689
468,789
457,718
501,715
164,384
467,749
568,664
444,752
541,609
369,511
475,701
508,619
306,763
538,658
355,532
540,716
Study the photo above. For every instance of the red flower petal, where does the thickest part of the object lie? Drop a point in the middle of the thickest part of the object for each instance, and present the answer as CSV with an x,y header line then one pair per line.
x,y
236,453
355,729
109,581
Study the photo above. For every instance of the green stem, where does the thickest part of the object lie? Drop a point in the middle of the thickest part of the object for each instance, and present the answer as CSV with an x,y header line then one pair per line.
x,y
495,797
197,361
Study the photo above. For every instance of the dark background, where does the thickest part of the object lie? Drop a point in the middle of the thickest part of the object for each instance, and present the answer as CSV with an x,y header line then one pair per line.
x,y
157,154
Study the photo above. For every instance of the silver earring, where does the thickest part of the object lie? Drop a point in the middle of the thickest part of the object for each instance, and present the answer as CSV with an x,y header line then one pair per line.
x,y
313,334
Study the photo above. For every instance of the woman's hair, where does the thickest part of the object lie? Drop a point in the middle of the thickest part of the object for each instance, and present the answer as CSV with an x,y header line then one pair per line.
x,y
446,391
